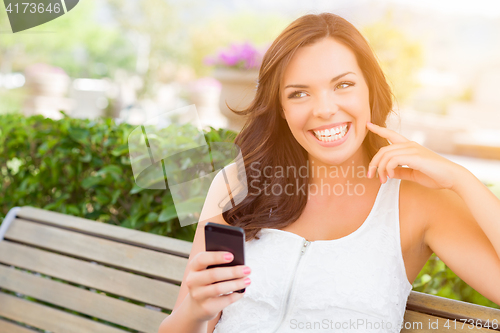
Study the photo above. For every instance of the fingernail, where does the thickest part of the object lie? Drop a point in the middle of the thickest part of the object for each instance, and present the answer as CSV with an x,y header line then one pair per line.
x,y
228,256
246,270
247,281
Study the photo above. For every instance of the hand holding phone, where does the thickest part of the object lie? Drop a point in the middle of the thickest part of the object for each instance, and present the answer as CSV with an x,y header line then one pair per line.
x,y
220,237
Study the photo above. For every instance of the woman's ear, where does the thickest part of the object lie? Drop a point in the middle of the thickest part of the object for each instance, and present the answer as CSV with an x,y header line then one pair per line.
x,y
282,114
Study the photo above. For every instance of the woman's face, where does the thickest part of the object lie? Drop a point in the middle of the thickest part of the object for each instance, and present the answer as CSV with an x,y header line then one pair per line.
x,y
323,89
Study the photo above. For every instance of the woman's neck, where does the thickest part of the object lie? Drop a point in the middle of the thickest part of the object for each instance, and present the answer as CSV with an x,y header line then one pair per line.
x,y
352,171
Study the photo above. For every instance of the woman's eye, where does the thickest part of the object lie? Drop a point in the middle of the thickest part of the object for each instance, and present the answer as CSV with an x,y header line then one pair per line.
x,y
295,93
345,84
342,85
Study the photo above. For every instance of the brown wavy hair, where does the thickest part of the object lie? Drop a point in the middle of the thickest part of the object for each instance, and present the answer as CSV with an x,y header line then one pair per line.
x,y
266,140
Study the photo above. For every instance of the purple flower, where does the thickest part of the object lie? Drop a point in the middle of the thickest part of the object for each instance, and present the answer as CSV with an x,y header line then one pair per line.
x,y
241,56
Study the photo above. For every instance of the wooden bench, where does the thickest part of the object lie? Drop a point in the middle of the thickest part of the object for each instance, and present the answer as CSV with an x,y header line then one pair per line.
x,y
447,315
79,273
89,268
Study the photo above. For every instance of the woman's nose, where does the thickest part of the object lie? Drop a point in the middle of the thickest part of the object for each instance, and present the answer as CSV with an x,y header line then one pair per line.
x,y
325,106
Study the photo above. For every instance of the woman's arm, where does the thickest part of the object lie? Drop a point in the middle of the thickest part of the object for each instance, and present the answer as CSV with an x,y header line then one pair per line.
x,y
181,320
459,230
462,216
483,204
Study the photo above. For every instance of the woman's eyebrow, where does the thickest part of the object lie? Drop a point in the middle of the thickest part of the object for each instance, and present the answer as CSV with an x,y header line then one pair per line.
x,y
332,80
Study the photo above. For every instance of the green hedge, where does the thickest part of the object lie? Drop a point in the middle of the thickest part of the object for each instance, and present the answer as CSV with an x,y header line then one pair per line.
x,y
81,167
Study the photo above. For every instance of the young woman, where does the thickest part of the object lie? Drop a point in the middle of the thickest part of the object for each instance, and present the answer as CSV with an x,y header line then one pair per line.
x,y
335,248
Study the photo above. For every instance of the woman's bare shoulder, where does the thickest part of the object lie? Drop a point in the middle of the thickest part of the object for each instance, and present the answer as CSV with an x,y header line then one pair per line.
x,y
420,203
219,193
415,189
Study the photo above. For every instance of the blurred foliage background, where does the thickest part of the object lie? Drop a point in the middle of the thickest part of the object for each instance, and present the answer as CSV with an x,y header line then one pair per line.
x,y
81,167
400,56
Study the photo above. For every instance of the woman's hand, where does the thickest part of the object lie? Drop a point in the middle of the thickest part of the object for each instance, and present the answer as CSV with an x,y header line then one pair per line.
x,y
424,166
206,295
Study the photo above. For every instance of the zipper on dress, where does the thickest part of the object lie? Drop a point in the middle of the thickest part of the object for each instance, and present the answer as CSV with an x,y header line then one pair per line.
x,y
289,290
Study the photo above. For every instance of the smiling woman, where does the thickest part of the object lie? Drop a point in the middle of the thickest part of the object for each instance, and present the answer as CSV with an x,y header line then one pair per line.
x,y
333,258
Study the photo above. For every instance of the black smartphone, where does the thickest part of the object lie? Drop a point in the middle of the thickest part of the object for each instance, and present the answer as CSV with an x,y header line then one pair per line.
x,y
219,237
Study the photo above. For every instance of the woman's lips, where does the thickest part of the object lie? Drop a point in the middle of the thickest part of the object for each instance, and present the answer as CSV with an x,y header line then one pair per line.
x,y
332,143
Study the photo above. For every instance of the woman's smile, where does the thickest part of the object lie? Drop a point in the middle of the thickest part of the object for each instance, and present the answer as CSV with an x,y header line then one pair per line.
x,y
331,137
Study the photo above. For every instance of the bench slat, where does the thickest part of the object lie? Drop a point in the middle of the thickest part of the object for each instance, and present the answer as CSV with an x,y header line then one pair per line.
x,y
148,262
144,239
8,327
411,319
81,300
447,308
47,318
136,287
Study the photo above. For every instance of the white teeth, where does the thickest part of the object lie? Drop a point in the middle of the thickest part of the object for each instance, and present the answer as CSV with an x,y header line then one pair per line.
x,y
331,132
330,135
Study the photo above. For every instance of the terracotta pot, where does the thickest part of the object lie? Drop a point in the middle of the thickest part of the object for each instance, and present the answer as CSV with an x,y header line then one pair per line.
x,y
237,90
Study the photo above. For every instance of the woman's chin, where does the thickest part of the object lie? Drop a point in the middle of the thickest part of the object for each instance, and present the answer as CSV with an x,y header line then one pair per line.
x,y
338,159
347,155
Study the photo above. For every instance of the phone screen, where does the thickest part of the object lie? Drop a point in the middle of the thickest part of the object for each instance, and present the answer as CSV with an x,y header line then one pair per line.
x,y
226,238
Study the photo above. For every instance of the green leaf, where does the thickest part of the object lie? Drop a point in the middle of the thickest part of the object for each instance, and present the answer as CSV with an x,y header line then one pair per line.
x,y
80,135
87,157
152,217
102,198
91,182
136,189
113,170
167,214
73,210
116,195
425,278
121,150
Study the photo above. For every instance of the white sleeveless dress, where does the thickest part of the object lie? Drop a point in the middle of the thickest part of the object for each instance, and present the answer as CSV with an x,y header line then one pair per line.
x,y
356,283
